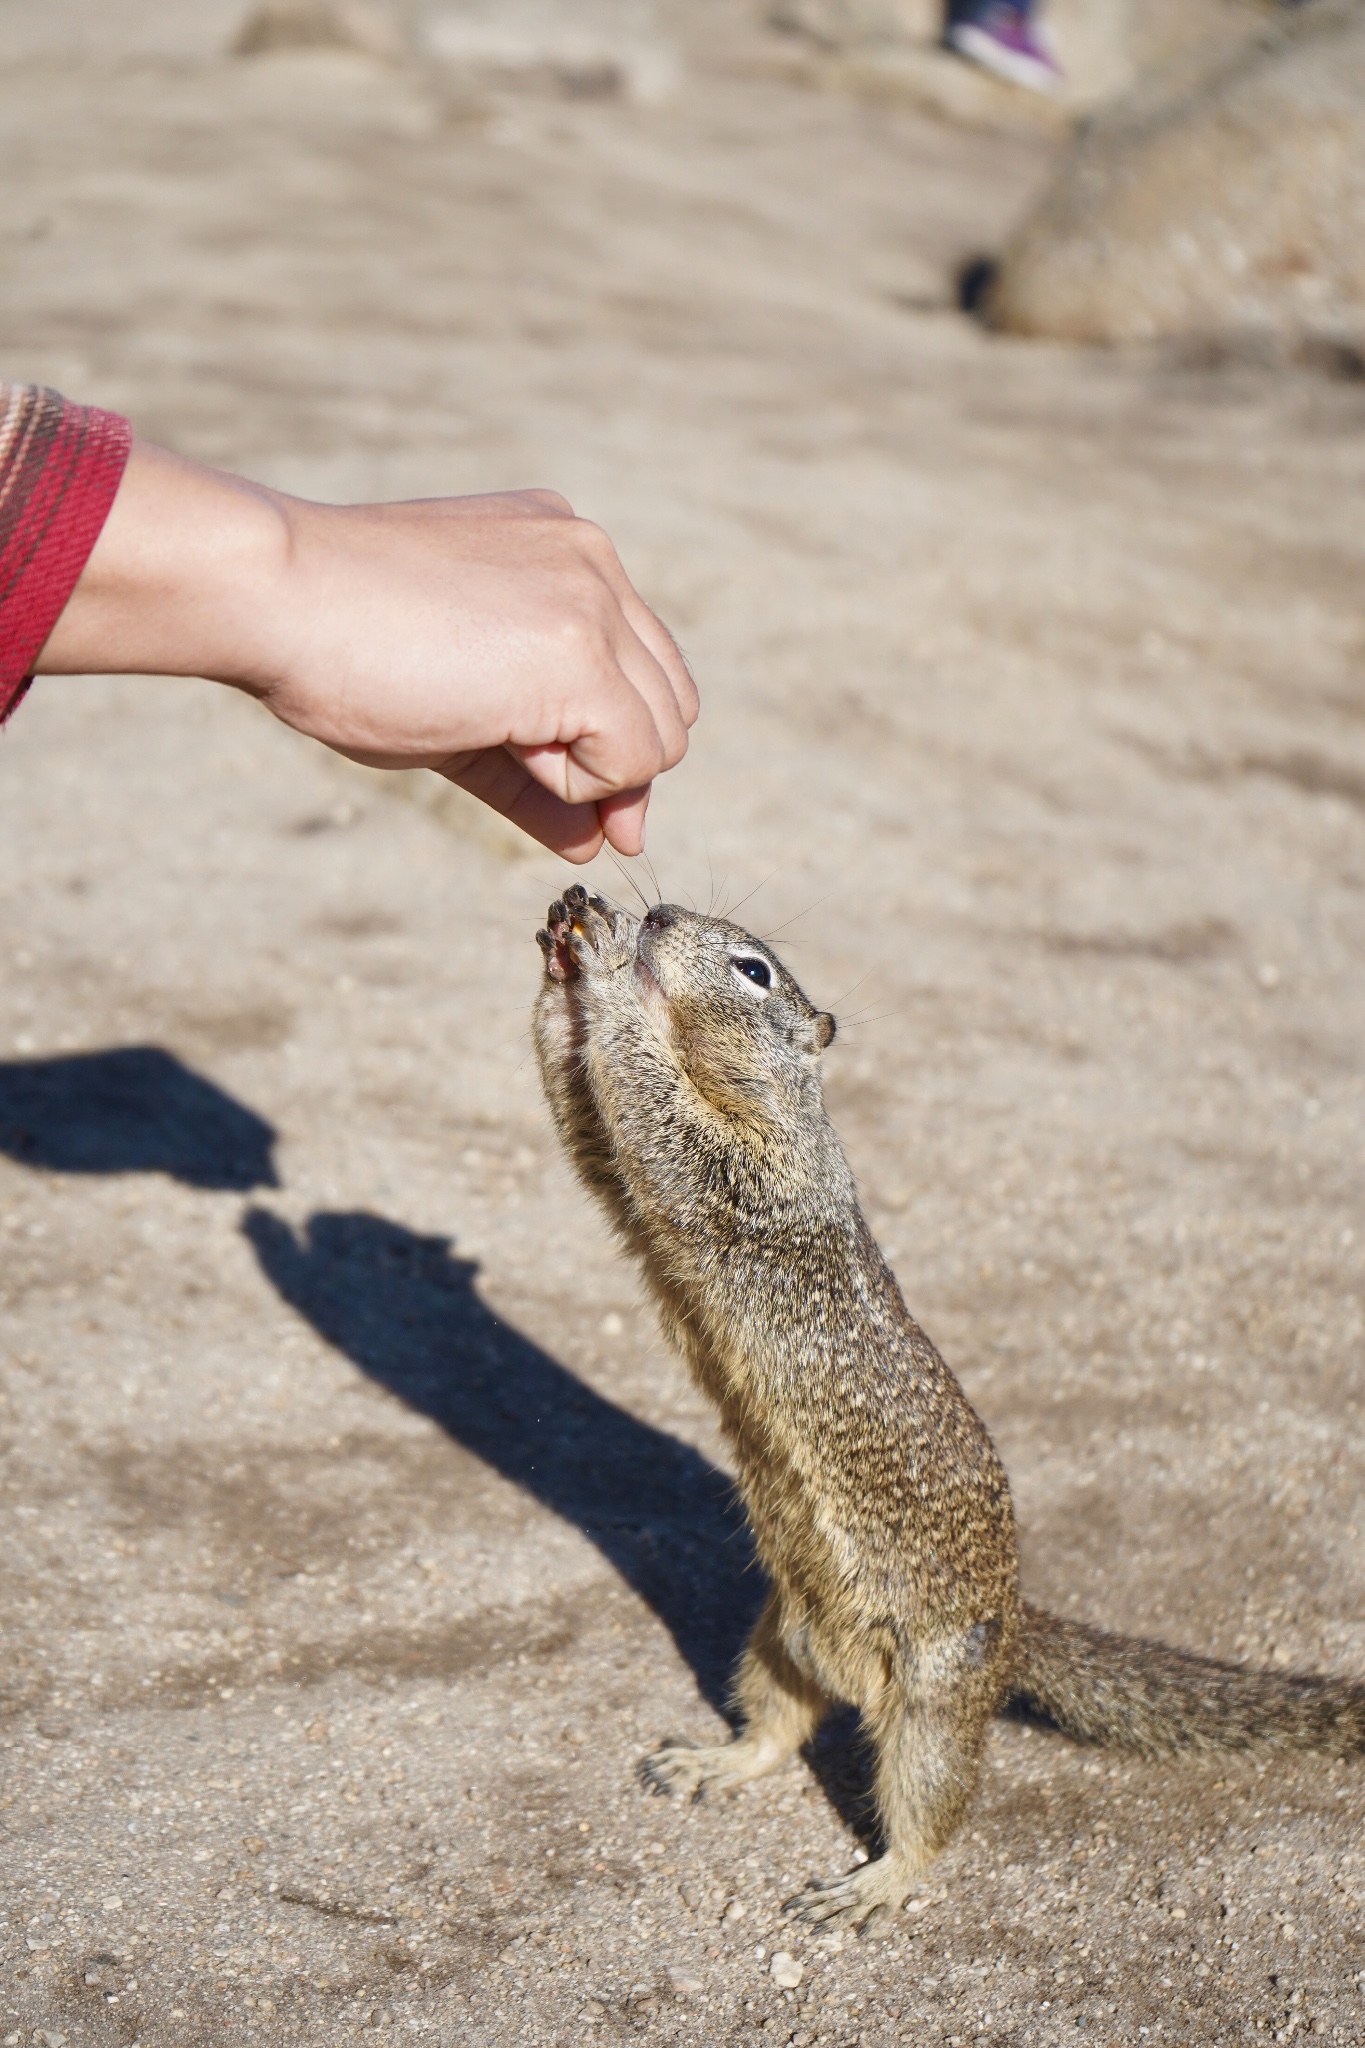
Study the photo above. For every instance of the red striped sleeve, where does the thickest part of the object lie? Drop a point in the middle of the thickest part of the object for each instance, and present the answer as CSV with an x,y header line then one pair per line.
x,y
60,465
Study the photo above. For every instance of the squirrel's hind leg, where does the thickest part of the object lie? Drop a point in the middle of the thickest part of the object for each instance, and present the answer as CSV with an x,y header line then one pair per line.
x,y
781,1709
928,1761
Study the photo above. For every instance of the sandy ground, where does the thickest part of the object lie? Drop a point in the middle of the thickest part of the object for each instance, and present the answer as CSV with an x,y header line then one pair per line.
x,y
358,1531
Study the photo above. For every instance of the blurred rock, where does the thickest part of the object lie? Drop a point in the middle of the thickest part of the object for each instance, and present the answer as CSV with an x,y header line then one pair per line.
x,y
1227,209
319,25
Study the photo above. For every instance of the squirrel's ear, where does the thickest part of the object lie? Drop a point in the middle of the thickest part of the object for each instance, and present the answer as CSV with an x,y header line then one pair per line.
x,y
816,1032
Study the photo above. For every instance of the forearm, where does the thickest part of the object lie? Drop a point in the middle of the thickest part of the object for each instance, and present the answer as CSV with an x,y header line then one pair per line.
x,y
184,580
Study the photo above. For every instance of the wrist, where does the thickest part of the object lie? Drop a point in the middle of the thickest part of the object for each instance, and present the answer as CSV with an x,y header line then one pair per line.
x,y
183,580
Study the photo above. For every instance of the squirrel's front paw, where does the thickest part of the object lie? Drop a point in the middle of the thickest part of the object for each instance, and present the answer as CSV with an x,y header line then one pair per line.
x,y
585,935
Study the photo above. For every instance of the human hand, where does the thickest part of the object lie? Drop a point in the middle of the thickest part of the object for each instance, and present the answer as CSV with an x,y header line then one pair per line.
x,y
495,639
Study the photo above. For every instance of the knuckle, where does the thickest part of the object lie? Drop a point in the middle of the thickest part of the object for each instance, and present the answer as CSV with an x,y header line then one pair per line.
x,y
579,635
546,500
595,541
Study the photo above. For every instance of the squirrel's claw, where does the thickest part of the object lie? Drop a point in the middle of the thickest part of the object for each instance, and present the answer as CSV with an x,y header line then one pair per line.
x,y
552,943
676,1768
583,934
577,899
823,1899
578,927
695,1770
857,1900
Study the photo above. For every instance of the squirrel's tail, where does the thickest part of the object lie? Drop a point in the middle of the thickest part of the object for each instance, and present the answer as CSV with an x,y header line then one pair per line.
x,y
1123,1693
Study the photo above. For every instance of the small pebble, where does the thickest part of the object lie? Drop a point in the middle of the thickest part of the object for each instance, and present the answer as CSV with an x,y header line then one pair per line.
x,y
786,1971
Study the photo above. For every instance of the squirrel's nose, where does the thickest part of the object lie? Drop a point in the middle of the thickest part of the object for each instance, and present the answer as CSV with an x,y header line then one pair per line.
x,y
661,916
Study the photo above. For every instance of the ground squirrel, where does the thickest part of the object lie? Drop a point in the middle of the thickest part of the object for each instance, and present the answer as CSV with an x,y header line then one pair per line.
x,y
681,1063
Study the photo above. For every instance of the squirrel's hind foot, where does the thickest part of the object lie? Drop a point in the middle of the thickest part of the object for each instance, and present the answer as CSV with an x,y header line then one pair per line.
x,y
684,1769
877,1889
678,1768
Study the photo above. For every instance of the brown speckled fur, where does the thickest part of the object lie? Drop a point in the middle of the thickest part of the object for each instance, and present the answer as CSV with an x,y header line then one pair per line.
x,y
681,1063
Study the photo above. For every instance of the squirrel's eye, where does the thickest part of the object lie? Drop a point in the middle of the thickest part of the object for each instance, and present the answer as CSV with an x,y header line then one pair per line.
x,y
756,971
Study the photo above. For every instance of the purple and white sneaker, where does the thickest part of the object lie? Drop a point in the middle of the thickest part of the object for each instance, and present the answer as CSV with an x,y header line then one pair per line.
x,y
1001,37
